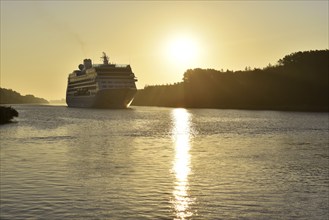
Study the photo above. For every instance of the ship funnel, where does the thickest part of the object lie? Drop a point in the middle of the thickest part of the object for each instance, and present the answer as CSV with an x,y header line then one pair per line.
x,y
87,63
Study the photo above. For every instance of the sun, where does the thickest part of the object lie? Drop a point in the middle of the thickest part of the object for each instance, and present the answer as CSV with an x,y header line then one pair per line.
x,y
182,50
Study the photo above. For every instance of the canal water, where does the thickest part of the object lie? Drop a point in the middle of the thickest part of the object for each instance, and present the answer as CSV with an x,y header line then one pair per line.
x,y
164,163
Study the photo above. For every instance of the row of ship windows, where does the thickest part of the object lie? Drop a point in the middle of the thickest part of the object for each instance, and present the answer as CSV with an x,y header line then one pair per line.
x,y
117,85
114,82
92,80
127,85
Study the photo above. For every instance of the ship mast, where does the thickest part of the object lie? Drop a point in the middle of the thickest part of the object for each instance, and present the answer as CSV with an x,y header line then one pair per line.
x,y
105,58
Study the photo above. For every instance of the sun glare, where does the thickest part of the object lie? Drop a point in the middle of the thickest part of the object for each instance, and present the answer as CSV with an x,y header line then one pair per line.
x,y
182,50
181,135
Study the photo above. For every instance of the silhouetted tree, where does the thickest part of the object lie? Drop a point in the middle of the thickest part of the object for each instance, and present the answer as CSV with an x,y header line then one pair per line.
x,y
298,82
8,96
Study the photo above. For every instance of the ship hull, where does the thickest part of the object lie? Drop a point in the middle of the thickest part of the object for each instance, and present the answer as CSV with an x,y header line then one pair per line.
x,y
107,98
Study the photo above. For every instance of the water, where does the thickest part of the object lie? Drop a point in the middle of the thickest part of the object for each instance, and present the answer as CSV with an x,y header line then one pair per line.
x,y
164,163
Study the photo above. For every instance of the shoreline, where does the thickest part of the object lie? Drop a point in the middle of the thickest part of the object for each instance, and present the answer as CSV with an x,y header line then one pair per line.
x,y
7,114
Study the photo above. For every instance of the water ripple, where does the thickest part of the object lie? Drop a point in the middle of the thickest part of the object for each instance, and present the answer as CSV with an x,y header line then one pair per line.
x,y
163,163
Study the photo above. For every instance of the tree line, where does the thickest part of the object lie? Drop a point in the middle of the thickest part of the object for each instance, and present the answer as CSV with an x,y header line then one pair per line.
x,y
298,81
8,96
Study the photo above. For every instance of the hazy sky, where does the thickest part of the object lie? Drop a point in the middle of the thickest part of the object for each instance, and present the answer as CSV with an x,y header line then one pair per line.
x,y
43,41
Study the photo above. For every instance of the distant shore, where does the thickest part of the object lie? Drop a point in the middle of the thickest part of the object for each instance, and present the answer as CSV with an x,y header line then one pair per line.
x,y
256,108
298,82
9,96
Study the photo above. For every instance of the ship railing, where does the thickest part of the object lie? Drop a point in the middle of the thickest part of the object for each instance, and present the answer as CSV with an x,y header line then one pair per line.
x,y
115,65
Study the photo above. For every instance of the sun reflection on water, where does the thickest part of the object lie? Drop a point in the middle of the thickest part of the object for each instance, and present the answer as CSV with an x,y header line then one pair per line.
x,y
181,134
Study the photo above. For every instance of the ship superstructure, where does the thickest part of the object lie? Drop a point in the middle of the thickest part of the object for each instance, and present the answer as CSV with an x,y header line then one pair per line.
x,y
101,85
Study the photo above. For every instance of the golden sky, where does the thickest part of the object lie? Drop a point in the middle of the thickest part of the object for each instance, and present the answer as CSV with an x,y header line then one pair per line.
x,y
43,41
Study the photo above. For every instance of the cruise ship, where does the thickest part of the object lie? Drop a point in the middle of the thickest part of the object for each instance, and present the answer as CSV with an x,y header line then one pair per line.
x,y
101,85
